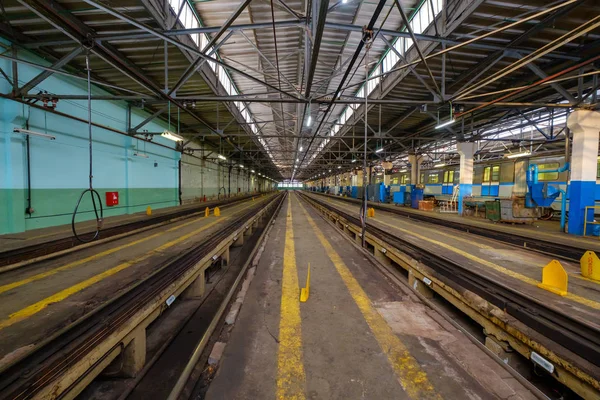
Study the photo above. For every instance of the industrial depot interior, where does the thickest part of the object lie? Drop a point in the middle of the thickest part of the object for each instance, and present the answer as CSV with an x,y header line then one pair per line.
x,y
299,199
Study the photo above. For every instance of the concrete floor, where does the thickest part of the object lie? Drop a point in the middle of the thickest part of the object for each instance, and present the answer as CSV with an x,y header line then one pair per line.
x,y
38,300
547,230
13,241
515,266
357,336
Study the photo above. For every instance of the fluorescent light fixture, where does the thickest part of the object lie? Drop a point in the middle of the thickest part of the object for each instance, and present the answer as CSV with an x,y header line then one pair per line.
x,y
379,150
143,155
309,121
445,123
516,155
222,157
354,160
440,165
301,148
339,167
329,170
28,132
403,170
344,1
297,159
252,170
241,166
172,136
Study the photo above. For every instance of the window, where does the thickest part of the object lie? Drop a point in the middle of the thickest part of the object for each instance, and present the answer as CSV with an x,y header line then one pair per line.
x,y
496,173
433,178
598,169
548,176
405,179
422,180
492,172
448,176
395,181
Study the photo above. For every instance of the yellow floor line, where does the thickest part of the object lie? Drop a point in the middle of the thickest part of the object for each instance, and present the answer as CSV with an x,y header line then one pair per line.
x,y
412,378
496,267
437,232
290,367
480,245
63,294
42,275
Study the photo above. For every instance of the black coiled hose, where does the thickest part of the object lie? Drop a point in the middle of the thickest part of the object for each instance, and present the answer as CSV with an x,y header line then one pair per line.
x,y
93,193
99,218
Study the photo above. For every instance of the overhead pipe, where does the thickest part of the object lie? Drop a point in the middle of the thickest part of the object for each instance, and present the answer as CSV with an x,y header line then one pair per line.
x,y
458,44
359,48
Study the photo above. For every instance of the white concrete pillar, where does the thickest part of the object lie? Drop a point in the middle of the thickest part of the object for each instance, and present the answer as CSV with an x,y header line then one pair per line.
x,y
585,126
415,161
465,188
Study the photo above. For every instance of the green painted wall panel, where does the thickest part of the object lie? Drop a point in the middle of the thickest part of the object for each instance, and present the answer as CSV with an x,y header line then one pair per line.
x,y
55,206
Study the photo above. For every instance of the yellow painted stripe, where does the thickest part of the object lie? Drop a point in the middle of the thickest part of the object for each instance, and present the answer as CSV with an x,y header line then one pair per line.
x,y
473,243
42,275
495,267
412,378
290,367
63,294
437,232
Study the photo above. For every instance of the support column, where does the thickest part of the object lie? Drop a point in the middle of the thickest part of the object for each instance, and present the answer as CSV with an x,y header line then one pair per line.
x,y
585,127
196,288
465,187
415,161
134,354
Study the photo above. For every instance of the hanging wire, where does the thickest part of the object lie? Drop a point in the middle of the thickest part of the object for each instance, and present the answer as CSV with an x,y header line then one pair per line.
x,y
368,38
93,193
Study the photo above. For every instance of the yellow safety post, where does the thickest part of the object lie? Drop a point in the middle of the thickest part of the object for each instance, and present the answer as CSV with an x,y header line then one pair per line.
x,y
217,212
590,265
206,212
371,212
304,292
554,278
148,211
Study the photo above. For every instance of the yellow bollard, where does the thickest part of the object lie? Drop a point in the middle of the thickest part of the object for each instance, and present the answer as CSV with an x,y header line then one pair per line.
x,y
207,212
148,211
304,292
554,278
217,212
590,265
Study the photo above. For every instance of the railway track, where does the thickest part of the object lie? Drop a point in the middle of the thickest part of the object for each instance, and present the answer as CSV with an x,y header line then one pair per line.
x,y
571,333
35,251
28,376
560,250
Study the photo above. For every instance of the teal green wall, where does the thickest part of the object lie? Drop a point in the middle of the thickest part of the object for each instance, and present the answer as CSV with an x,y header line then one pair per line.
x,y
59,168
199,179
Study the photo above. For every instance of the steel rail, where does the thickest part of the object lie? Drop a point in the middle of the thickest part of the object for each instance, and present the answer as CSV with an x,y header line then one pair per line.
x,y
575,335
34,251
561,250
186,373
25,377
